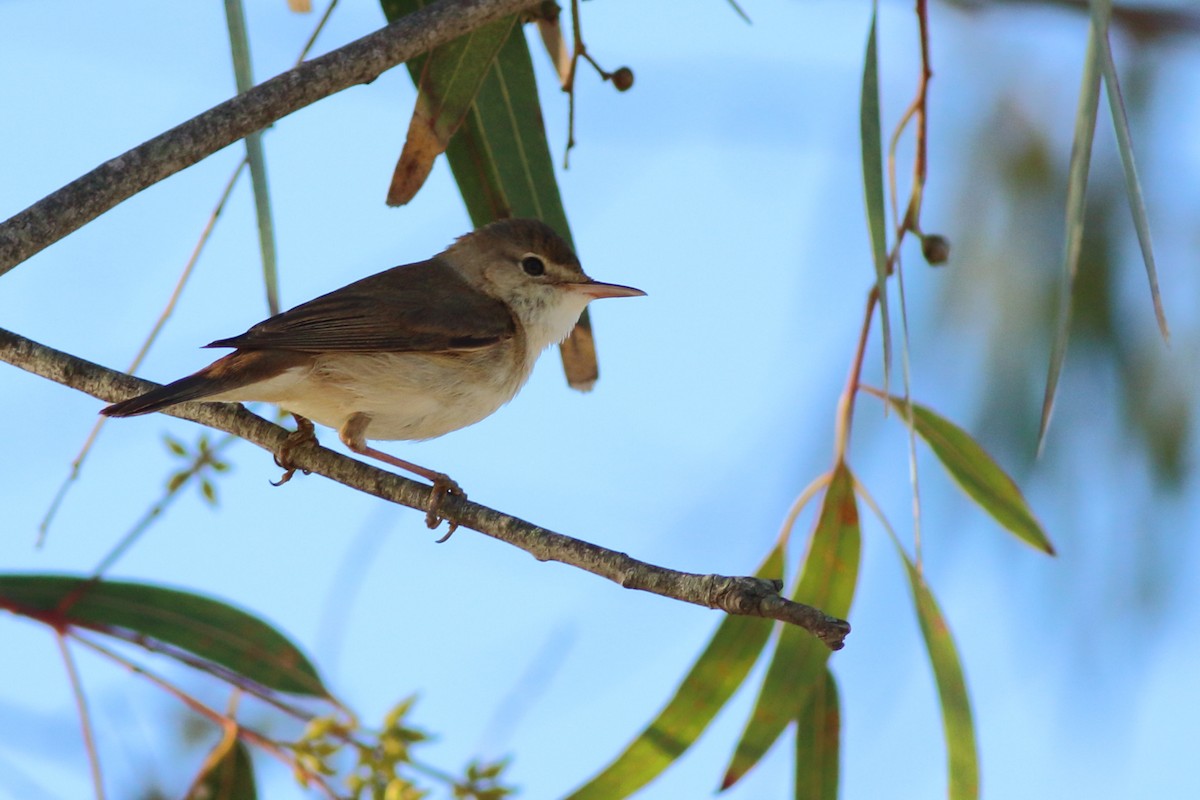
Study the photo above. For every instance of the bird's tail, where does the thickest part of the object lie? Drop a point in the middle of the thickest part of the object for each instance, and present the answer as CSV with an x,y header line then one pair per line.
x,y
242,368
193,387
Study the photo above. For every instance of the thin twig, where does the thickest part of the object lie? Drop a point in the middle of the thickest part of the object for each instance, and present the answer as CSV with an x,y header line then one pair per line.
x,y
577,49
745,596
151,337
211,714
85,718
172,301
359,62
845,409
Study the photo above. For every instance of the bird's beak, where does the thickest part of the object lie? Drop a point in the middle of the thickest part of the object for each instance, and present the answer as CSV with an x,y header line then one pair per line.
x,y
596,289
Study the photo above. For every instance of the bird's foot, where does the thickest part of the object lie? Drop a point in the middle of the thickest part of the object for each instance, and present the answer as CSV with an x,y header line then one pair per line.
x,y
442,486
303,436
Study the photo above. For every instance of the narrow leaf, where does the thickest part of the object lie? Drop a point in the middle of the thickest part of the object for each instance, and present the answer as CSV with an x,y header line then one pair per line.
x,y
227,774
450,79
961,750
159,618
239,44
818,729
1077,177
1101,10
712,680
550,29
872,165
741,12
827,581
976,472
501,162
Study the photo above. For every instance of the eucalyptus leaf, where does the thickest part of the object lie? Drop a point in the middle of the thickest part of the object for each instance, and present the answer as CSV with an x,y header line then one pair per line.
x,y
231,640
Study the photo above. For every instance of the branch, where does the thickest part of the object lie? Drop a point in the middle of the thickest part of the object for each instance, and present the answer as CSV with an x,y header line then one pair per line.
x,y
746,596
361,61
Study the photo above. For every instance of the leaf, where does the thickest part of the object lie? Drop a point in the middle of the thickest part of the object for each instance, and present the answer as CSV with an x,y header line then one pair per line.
x,y
976,472
158,618
446,89
1077,177
712,680
502,165
550,29
1101,9
818,728
872,164
827,581
227,774
239,45
961,750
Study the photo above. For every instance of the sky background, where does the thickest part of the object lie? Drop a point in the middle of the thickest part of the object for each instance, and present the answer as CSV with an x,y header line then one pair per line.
x,y
727,185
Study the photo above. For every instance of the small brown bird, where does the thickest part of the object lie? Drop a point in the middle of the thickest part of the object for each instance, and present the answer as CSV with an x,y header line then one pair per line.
x,y
411,353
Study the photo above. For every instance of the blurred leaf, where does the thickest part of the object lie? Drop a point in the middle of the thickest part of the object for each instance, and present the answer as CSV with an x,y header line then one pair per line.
x,y
1101,10
713,679
502,165
818,728
166,619
827,581
208,491
239,45
228,774
446,89
976,472
1077,178
176,480
872,164
962,753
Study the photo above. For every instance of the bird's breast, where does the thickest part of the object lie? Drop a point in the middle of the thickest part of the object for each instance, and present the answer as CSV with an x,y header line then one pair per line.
x,y
411,395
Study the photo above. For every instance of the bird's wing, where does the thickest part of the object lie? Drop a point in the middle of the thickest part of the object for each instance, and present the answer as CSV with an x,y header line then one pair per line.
x,y
423,307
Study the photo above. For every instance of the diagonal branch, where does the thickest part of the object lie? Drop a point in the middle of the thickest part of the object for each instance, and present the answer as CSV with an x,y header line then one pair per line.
x,y
118,179
746,596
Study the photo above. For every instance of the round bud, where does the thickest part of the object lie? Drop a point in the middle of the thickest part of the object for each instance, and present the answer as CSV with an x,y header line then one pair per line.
x,y
623,79
935,248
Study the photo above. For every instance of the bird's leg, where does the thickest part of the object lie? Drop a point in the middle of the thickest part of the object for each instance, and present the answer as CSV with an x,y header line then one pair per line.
x,y
353,436
303,435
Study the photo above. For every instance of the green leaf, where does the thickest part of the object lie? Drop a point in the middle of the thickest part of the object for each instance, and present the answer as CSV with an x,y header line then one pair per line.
x,y
239,45
502,165
1101,9
872,165
818,728
827,581
227,775
227,639
1077,177
976,472
962,753
446,90
713,679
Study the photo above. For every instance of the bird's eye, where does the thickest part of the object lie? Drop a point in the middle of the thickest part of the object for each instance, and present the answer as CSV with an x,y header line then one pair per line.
x,y
533,266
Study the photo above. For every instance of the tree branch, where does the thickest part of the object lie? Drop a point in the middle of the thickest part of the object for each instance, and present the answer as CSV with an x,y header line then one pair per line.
x,y
118,179
745,596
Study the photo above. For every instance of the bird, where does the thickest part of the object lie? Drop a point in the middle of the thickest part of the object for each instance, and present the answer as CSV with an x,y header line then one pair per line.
x,y
410,353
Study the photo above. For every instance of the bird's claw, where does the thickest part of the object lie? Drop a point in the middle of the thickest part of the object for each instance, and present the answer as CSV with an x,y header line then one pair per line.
x,y
442,486
302,436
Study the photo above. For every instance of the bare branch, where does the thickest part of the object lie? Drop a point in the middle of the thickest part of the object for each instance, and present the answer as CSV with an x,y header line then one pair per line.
x,y
746,596
118,179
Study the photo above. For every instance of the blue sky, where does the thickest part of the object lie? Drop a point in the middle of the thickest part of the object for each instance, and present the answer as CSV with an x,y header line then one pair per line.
x,y
726,184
